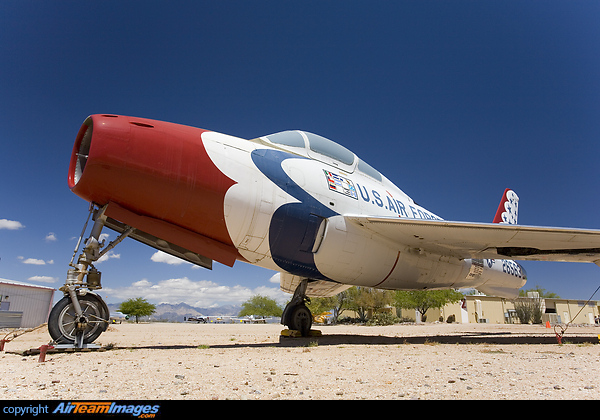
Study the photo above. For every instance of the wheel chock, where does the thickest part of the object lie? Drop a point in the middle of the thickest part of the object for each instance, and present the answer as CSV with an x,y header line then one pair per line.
x,y
296,333
290,333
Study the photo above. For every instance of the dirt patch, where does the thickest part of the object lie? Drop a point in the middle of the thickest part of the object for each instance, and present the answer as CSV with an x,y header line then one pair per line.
x,y
233,361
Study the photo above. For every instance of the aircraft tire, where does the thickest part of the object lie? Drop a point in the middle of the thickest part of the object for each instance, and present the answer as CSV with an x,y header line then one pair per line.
x,y
61,322
301,320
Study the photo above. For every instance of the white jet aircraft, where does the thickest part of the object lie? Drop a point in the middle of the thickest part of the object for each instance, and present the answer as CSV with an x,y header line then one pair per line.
x,y
294,202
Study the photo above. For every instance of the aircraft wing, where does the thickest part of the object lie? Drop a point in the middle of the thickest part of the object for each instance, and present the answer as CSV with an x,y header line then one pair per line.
x,y
487,240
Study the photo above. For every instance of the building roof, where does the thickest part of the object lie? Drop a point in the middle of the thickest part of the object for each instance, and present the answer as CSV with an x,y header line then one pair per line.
x,y
20,283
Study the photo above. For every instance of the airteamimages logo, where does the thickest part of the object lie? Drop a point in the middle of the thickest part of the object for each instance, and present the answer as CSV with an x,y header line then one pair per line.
x,y
142,411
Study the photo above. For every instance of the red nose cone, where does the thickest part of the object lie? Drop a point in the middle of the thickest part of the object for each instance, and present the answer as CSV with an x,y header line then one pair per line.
x,y
151,168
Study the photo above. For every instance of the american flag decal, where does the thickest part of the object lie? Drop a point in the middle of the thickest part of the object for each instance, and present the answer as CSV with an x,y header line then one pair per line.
x,y
340,184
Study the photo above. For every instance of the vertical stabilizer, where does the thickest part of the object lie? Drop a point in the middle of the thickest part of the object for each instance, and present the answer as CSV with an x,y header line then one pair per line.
x,y
508,210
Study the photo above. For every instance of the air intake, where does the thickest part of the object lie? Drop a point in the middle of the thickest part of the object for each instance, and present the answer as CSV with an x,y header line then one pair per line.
x,y
81,151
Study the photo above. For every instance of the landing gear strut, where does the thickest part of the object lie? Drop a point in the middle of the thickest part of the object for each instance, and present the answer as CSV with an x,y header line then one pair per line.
x,y
296,316
81,315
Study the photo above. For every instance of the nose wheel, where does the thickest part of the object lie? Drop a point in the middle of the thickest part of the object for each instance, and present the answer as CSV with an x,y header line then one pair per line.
x,y
68,327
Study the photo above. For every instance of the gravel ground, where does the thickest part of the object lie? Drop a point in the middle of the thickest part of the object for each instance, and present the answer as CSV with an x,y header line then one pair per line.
x,y
235,361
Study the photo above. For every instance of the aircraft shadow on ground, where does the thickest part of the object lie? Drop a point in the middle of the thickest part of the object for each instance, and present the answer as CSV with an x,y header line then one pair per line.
x,y
478,338
352,339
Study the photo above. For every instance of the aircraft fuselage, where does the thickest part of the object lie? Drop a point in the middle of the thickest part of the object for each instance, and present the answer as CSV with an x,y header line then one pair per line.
x,y
279,202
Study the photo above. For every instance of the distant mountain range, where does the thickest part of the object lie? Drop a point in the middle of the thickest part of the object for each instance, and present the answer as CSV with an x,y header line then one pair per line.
x,y
179,311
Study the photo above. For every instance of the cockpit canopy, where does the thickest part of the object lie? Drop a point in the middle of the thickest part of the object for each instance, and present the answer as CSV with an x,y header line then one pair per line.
x,y
322,149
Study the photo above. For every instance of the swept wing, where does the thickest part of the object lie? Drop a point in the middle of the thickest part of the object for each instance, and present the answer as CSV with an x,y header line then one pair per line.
x,y
487,240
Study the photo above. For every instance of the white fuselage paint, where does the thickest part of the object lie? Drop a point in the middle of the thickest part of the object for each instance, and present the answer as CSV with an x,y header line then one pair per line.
x,y
345,253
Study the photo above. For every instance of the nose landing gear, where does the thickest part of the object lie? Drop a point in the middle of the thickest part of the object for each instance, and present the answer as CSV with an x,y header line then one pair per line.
x,y
81,315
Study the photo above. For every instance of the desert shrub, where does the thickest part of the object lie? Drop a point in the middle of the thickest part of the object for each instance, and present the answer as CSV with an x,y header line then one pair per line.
x,y
383,318
529,310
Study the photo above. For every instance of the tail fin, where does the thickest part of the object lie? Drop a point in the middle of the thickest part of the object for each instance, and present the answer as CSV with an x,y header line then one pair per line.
x,y
508,210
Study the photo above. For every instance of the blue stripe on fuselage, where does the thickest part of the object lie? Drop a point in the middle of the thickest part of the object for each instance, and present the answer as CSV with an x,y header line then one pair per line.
x,y
291,223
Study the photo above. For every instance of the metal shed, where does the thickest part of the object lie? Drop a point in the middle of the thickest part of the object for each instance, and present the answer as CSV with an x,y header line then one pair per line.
x,y
24,305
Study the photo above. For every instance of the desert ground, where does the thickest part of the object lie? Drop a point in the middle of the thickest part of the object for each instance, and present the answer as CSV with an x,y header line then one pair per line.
x,y
171,361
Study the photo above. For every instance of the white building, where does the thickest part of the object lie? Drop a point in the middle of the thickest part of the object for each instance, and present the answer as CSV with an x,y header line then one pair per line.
x,y
24,305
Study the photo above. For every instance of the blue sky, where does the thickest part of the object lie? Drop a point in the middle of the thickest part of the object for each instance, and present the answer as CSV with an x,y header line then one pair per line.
x,y
452,101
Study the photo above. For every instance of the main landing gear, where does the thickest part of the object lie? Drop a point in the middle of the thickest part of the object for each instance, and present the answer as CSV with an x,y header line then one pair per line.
x,y
81,315
296,316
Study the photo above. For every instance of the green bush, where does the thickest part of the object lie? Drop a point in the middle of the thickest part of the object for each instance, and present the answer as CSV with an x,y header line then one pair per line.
x,y
383,318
